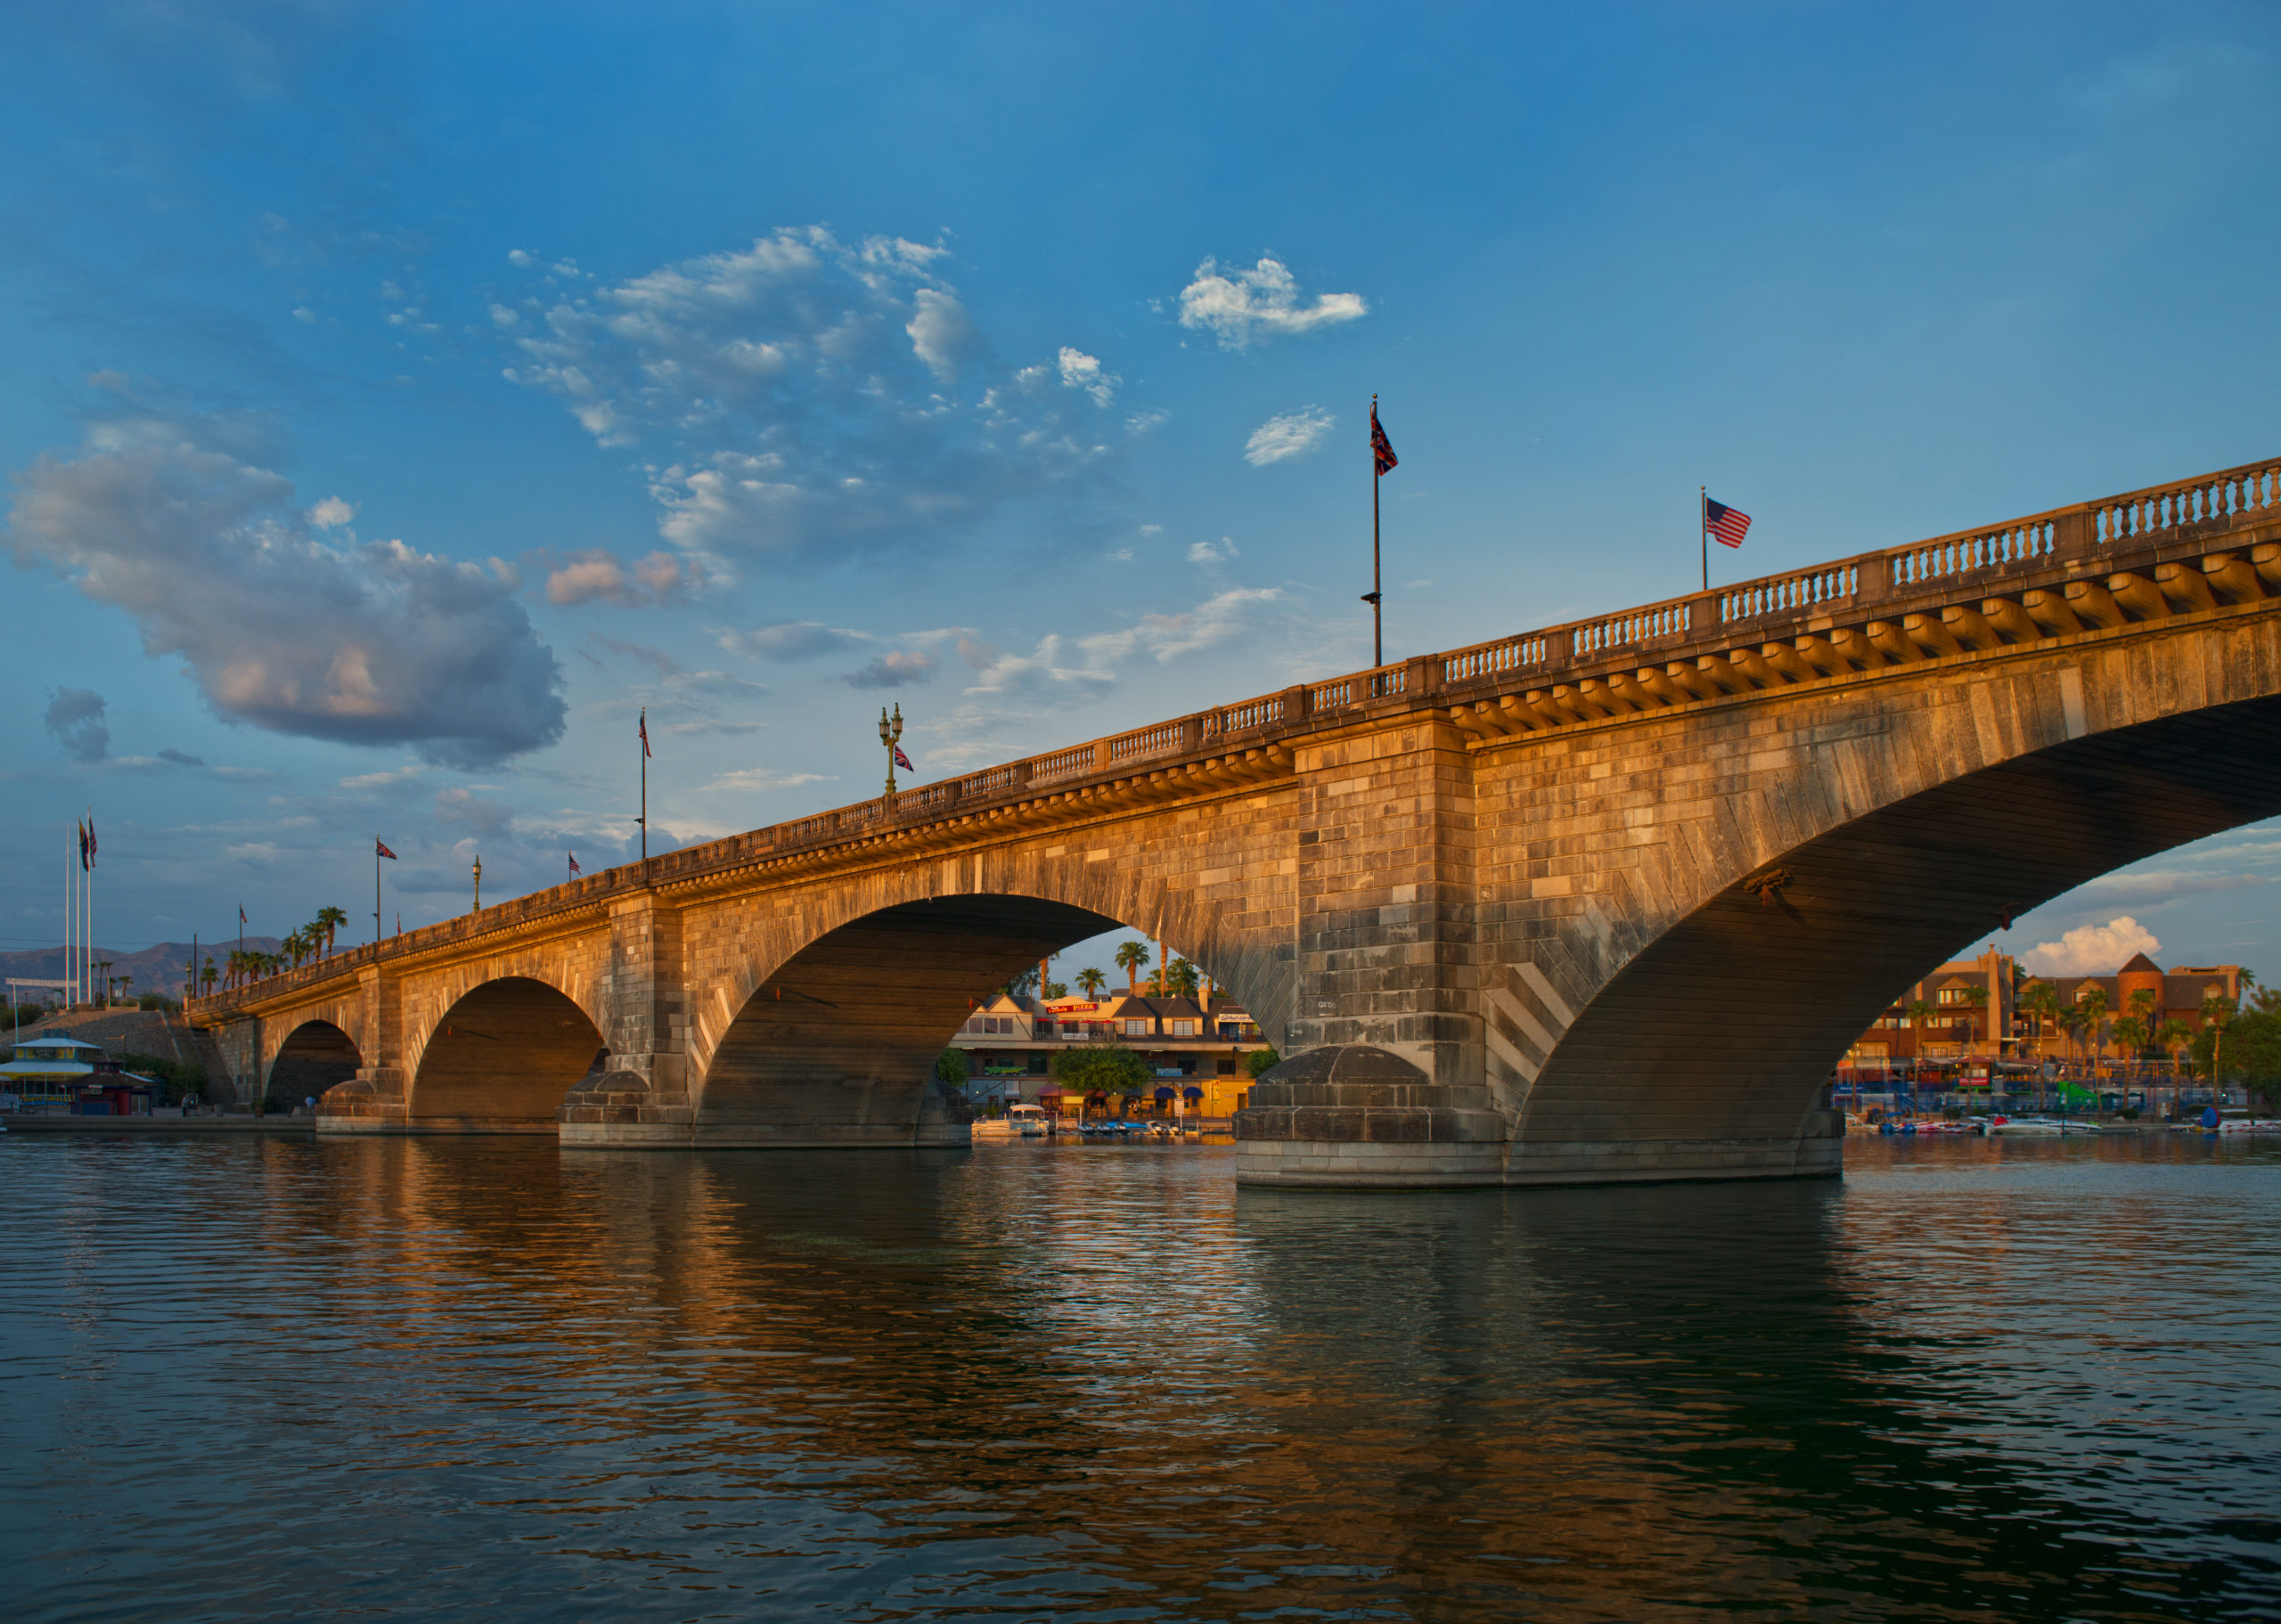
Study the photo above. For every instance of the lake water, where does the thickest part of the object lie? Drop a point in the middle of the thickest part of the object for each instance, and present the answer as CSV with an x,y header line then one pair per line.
x,y
456,1378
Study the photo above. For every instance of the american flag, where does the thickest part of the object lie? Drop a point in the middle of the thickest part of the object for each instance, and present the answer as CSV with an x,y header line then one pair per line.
x,y
1381,448
1728,525
575,868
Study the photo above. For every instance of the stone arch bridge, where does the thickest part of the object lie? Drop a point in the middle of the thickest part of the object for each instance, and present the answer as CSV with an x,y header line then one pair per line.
x,y
1603,902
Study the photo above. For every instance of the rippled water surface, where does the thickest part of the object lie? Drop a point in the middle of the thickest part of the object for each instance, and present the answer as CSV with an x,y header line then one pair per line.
x,y
440,1378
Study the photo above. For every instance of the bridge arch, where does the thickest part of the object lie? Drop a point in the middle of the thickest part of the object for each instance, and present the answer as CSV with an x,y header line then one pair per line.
x,y
502,1058
1726,1024
317,1056
836,1041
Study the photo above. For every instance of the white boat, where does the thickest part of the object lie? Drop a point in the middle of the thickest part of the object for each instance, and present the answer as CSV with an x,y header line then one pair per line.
x,y
2027,1126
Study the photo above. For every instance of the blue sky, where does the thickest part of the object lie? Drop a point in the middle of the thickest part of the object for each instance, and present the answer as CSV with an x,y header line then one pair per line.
x,y
400,398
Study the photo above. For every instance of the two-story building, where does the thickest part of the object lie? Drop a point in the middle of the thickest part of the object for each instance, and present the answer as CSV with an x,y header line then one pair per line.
x,y
1195,1046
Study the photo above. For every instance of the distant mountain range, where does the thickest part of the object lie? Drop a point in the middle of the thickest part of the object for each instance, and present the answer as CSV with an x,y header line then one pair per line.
x,y
154,969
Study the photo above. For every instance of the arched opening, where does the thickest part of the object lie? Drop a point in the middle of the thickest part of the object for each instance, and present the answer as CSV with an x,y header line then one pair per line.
x,y
839,1045
317,1057
1728,1024
501,1060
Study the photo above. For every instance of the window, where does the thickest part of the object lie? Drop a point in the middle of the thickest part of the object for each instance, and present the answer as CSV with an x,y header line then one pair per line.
x,y
1045,1029
1136,1029
1183,1029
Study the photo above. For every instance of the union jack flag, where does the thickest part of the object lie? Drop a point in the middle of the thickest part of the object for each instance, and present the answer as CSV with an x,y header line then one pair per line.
x,y
1728,525
645,731
380,849
1381,448
902,761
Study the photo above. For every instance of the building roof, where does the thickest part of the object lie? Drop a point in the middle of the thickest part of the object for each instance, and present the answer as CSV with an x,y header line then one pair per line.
x,y
51,1045
2140,964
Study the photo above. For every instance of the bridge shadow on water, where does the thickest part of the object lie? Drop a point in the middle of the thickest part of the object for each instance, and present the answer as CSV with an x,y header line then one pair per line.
x,y
1064,1378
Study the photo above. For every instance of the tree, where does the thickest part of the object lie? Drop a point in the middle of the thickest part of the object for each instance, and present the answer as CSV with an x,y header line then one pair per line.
x,y
1092,980
2131,1037
2040,1000
1101,1070
2174,1036
1260,1060
1054,989
1182,979
1131,957
949,1067
329,920
205,977
1921,1012
2072,1022
1977,997
2093,1007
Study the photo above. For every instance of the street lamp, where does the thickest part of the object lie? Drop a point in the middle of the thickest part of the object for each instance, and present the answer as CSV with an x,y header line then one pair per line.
x,y
479,884
890,733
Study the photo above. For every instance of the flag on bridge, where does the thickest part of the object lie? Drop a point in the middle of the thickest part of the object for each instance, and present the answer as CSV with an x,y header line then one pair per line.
x,y
902,761
83,846
1728,525
91,840
1381,448
574,869
379,849
645,732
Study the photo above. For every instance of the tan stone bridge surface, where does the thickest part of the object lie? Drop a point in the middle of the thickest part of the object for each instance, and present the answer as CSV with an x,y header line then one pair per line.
x,y
1601,902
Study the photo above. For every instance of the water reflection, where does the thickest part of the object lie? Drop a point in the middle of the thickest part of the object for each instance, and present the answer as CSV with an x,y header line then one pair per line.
x,y
419,1376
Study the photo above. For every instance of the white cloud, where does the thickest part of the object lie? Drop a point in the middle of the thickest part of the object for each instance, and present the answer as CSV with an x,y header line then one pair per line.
x,y
285,629
753,780
790,640
596,574
2150,887
1288,435
816,397
2092,950
896,668
1258,304
365,782
520,257
1205,553
1080,371
332,513
1069,670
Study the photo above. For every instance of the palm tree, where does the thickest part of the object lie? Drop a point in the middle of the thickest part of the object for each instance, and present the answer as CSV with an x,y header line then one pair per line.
x,y
1092,980
2093,1007
1182,979
1131,958
2040,1000
2131,1036
2176,1037
329,920
205,977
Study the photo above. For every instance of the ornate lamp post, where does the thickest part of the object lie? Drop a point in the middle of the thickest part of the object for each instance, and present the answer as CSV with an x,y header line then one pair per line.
x,y
890,733
479,884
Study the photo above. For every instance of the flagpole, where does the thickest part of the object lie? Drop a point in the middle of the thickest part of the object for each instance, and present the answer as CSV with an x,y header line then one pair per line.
x,y
1702,530
68,927
1378,604
376,894
644,818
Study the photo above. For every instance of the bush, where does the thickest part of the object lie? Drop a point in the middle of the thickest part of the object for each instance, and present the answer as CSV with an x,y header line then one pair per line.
x,y
1259,1060
951,1068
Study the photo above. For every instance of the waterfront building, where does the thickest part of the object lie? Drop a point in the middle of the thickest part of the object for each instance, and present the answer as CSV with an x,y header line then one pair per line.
x,y
1195,1046
1974,1014
58,1072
